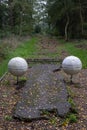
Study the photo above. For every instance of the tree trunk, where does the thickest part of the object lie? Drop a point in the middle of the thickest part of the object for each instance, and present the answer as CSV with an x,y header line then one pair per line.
x,y
81,17
20,29
11,21
66,28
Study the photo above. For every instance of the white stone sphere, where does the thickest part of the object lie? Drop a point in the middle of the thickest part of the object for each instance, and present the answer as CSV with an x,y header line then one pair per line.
x,y
17,66
71,65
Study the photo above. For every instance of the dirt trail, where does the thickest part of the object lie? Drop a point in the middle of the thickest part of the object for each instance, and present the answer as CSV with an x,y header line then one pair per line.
x,y
50,45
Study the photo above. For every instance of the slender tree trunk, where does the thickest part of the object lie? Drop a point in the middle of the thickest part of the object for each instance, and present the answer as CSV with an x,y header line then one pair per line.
x,y
1,17
66,28
11,21
21,19
81,17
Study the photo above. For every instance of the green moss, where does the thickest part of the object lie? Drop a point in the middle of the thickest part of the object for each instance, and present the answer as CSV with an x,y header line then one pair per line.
x,y
70,92
70,100
53,120
23,78
45,113
8,117
72,118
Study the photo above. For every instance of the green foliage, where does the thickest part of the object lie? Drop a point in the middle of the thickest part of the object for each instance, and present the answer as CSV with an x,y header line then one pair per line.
x,y
70,92
20,17
45,113
23,78
3,67
70,100
53,120
72,118
8,117
65,122
61,11
16,17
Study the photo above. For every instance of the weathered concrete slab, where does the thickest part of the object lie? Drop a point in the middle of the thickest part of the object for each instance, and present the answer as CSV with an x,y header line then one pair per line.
x,y
45,90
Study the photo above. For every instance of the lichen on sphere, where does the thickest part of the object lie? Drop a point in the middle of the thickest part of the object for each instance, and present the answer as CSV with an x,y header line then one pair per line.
x,y
17,66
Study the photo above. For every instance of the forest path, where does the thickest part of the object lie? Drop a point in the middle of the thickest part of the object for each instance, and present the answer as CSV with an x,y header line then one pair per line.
x,y
50,47
9,96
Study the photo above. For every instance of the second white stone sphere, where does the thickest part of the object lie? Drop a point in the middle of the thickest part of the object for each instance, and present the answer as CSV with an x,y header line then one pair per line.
x,y
17,66
71,65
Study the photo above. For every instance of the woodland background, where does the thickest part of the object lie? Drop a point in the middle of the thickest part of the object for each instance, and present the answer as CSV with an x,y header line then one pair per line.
x,y
66,18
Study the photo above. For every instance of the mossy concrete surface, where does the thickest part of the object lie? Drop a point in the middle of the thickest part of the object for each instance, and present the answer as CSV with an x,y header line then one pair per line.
x,y
44,90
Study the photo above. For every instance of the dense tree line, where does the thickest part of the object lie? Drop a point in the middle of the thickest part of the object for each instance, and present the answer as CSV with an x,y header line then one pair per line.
x,y
16,16
68,18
